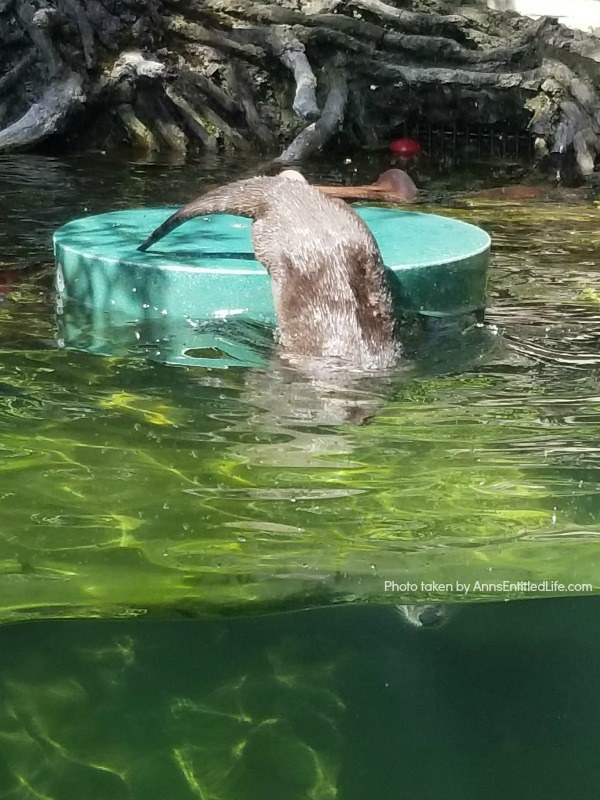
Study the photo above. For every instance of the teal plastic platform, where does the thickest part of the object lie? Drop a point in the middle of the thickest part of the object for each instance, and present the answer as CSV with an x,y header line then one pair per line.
x,y
205,270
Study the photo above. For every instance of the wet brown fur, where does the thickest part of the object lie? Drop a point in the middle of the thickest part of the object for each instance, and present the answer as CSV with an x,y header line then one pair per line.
x,y
330,289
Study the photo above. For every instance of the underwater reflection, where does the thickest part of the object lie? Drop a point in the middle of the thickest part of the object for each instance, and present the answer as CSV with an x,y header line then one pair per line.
x,y
500,701
308,410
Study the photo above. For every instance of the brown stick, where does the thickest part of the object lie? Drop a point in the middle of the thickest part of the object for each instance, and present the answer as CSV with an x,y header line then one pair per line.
x,y
392,186
362,193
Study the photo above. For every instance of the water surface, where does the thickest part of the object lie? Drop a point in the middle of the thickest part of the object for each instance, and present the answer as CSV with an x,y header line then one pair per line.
x,y
129,486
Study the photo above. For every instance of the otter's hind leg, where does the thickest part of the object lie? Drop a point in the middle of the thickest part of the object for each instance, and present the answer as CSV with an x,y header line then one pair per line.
x,y
269,251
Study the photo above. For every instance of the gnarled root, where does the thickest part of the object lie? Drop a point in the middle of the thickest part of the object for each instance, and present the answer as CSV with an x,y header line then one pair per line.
x,y
318,133
48,116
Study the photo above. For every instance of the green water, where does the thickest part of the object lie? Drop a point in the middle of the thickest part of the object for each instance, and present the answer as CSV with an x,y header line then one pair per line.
x,y
134,489
349,703
130,487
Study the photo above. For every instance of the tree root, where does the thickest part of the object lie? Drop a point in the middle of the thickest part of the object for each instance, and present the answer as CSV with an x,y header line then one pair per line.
x,y
161,123
37,24
191,119
210,118
211,75
239,83
413,21
140,135
194,80
316,135
291,53
133,65
105,24
74,9
48,116
17,73
201,35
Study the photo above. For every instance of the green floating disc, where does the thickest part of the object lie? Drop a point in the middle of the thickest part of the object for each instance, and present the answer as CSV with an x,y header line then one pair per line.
x,y
205,270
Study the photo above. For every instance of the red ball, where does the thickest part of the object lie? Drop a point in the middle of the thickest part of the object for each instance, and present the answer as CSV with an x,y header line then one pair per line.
x,y
405,147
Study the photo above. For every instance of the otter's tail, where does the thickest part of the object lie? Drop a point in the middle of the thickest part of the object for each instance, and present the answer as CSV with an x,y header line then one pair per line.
x,y
245,198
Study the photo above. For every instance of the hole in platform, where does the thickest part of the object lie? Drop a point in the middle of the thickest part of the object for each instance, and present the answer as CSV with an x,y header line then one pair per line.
x,y
205,352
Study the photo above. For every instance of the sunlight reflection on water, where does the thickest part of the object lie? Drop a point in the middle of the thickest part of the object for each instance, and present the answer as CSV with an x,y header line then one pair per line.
x,y
479,453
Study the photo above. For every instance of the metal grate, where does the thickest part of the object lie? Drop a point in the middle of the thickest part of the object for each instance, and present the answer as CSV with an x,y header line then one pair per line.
x,y
473,141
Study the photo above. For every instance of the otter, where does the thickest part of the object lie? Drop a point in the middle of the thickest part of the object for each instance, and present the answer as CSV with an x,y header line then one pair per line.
x,y
425,615
331,292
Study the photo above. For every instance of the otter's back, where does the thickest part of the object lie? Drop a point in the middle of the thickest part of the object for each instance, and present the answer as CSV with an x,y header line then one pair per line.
x,y
305,221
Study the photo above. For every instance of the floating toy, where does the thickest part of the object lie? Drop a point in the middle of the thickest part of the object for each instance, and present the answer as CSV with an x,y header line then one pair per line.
x,y
165,302
406,148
